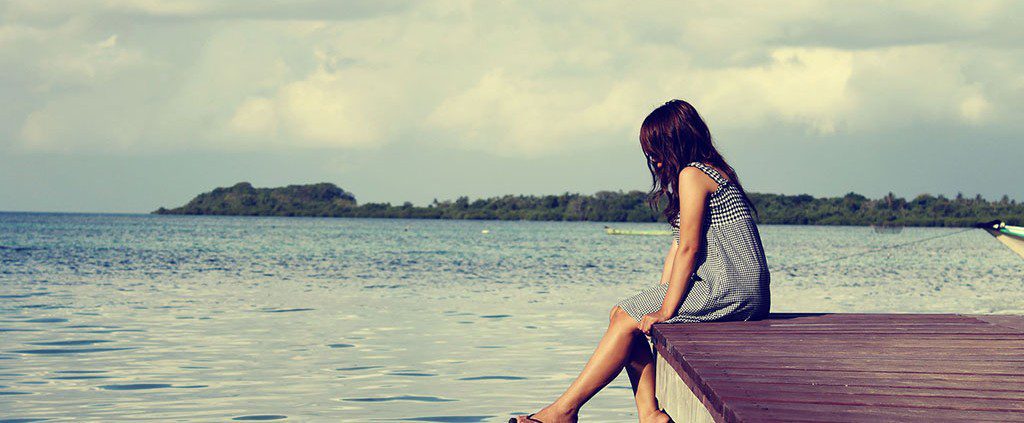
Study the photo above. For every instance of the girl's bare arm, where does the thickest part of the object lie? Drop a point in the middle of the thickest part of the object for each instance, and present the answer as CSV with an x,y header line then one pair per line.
x,y
694,189
666,270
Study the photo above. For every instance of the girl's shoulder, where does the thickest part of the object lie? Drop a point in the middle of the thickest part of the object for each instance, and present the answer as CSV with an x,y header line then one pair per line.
x,y
708,170
698,173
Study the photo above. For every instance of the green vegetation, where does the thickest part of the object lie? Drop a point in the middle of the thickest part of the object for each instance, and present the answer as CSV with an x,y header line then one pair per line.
x,y
323,199
327,200
855,209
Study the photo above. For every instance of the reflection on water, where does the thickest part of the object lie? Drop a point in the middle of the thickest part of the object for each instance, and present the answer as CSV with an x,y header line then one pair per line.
x,y
247,319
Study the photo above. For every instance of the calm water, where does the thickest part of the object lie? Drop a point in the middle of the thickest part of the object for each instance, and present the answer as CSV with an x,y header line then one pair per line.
x,y
136,317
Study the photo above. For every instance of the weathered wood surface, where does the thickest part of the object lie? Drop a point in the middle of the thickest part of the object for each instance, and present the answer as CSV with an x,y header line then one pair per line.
x,y
851,367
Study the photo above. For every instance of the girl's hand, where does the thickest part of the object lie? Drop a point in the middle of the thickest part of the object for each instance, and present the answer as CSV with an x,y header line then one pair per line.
x,y
649,320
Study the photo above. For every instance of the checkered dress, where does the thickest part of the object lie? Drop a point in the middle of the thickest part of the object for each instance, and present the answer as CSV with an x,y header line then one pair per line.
x,y
731,277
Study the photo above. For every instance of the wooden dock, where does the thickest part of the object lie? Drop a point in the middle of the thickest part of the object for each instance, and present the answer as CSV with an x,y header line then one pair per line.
x,y
843,367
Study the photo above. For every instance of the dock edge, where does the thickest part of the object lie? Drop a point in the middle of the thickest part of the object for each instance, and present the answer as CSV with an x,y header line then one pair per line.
x,y
677,394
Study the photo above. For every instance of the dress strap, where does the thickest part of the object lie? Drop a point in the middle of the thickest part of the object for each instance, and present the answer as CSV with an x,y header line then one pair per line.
x,y
710,171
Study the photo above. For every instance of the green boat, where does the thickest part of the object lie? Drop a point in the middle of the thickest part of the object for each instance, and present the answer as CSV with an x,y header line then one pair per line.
x,y
1011,236
613,231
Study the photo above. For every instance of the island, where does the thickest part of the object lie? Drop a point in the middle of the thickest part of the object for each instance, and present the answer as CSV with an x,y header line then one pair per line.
x,y
329,200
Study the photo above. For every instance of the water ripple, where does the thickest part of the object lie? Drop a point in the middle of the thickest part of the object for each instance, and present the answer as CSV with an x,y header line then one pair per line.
x,y
47,320
135,386
70,343
493,378
354,368
80,377
286,310
413,374
70,350
417,398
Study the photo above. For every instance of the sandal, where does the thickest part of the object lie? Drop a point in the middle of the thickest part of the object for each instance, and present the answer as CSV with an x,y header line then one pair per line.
x,y
528,418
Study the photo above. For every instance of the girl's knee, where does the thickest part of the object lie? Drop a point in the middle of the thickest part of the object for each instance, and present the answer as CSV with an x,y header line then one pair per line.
x,y
615,311
618,313
620,317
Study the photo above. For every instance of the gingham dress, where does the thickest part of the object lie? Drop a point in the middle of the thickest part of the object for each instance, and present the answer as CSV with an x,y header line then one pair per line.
x,y
731,277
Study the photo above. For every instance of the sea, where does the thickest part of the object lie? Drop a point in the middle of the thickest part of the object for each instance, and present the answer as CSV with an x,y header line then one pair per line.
x,y
125,317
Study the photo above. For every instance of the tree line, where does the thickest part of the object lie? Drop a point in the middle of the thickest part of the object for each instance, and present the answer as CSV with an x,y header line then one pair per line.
x,y
328,200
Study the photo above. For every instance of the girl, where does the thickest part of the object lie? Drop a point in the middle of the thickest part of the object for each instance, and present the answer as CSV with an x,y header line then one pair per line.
x,y
715,268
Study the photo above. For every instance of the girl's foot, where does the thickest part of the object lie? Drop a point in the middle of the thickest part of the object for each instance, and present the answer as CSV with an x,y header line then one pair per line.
x,y
656,416
552,414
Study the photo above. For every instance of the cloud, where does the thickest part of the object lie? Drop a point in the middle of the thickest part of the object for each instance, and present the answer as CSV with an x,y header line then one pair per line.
x,y
514,114
50,10
510,78
806,86
255,116
975,109
326,109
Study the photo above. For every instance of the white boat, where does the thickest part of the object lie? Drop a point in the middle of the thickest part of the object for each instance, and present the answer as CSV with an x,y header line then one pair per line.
x,y
1011,236
613,231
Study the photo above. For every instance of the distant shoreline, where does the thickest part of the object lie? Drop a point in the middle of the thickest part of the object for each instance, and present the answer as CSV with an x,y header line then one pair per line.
x,y
154,214
328,200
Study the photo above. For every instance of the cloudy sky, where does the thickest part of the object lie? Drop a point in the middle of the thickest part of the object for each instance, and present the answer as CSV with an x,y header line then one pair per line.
x,y
128,105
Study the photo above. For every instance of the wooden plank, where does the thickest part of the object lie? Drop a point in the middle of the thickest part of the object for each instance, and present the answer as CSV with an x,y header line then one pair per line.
x,y
1010,321
965,346
783,412
891,330
852,367
847,320
837,363
964,349
924,341
847,389
910,384
844,318
854,316
840,367
796,323
956,354
921,351
1005,326
864,374
738,395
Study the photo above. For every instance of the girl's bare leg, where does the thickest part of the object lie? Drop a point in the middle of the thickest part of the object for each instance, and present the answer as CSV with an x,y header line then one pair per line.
x,y
641,376
604,365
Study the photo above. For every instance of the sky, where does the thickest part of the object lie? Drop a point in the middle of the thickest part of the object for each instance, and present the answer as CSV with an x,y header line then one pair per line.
x,y
130,105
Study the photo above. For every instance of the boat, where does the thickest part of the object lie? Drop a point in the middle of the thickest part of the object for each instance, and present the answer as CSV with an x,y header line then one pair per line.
x,y
613,231
1011,236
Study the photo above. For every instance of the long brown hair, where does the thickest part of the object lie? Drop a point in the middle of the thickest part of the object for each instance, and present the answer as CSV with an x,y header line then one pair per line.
x,y
675,135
